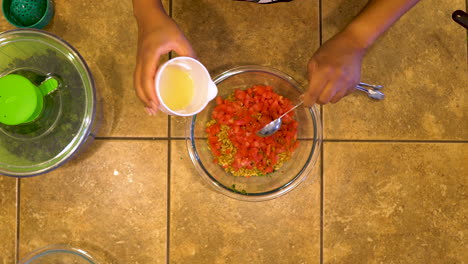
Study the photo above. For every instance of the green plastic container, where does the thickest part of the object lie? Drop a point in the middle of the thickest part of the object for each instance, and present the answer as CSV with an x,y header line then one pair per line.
x,y
42,127
20,100
28,13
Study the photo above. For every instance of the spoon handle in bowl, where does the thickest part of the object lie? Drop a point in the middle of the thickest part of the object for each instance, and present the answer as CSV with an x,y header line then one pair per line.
x,y
290,110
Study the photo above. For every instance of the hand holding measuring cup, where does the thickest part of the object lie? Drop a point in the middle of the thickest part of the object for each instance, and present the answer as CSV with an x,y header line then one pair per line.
x,y
158,34
184,87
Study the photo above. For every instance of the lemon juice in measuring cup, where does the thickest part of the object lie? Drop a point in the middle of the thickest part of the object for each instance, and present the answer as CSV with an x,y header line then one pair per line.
x,y
176,88
184,87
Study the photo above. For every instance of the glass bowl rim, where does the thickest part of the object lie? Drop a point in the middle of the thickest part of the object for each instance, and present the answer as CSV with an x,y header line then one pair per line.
x,y
53,249
277,192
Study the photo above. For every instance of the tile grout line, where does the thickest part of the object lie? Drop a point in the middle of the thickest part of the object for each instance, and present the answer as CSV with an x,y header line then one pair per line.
x,y
322,203
168,195
367,140
131,138
17,231
322,145
324,140
394,141
169,154
322,151
168,189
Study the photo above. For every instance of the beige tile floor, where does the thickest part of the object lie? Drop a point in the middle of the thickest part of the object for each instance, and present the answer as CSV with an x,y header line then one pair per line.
x,y
422,63
391,186
7,219
408,207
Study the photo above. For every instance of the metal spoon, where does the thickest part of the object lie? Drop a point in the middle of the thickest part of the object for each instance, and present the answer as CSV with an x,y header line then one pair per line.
x,y
376,87
274,125
376,95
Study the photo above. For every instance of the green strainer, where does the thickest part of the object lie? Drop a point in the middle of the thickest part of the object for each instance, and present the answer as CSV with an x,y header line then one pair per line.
x,y
28,13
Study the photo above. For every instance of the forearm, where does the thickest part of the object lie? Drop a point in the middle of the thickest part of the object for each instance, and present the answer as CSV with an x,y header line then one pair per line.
x,y
148,9
375,19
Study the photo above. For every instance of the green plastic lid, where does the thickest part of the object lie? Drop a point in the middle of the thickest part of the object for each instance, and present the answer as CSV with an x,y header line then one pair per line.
x,y
41,127
28,13
20,100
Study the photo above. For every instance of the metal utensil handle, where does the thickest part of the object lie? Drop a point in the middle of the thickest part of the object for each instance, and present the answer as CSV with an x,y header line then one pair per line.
x,y
360,88
376,87
290,110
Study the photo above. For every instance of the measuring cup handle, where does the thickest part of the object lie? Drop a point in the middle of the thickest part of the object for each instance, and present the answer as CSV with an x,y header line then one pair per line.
x,y
212,91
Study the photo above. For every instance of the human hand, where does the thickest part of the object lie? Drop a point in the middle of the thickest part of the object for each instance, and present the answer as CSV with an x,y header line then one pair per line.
x,y
157,35
334,70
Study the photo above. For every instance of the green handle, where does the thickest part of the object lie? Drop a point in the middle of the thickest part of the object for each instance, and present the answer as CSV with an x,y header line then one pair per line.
x,y
48,86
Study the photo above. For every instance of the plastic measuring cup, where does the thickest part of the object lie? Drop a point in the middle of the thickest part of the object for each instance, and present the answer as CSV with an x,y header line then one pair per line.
x,y
205,89
20,100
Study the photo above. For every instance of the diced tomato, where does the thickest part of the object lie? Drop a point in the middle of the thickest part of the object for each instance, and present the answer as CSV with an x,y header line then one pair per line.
x,y
246,113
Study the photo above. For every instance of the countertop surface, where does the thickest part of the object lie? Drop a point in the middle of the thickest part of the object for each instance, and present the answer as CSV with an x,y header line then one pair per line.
x,y
390,185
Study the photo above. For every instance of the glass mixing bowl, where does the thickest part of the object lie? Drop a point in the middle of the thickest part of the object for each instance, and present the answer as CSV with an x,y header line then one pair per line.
x,y
58,254
275,184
